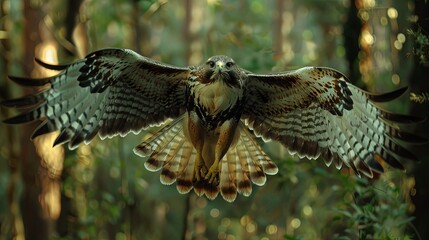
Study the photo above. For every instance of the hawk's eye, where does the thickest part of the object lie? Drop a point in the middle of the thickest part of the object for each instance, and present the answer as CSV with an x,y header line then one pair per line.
x,y
211,64
229,64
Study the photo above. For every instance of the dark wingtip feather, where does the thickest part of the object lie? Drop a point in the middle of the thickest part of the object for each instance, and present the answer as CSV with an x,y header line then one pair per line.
x,y
30,82
76,140
24,102
50,66
89,136
389,159
64,137
43,128
401,118
21,118
375,166
385,97
411,138
403,152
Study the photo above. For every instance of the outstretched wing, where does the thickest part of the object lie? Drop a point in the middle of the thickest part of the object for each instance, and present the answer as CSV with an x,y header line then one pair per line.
x,y
314,112
110,92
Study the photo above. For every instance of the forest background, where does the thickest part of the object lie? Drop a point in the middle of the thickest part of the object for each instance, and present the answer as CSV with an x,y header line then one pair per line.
x,y
103,191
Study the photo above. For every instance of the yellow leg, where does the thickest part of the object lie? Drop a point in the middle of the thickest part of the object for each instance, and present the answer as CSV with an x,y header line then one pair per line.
x,y
199,168
226,136
213,173
196,135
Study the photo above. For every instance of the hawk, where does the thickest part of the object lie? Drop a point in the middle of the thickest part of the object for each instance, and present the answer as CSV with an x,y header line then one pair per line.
x,y
216,110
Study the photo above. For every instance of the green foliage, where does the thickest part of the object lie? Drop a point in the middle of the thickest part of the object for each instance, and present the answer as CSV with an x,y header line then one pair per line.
x,y
421,46
378,211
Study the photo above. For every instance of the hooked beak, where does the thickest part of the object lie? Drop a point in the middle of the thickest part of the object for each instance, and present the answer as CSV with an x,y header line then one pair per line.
x,y
219,67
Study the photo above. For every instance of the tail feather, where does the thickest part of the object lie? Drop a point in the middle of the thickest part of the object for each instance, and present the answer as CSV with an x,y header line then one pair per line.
x,y
186,170
244,185
199,188
174,155
158,159
227,183
268,166
257,175
158,140
211,190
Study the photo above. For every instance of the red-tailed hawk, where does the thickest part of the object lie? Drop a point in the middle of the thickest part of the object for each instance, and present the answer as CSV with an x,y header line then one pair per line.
x,y
216,109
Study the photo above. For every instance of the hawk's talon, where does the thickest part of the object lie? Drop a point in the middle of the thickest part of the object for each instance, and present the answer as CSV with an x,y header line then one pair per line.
x,y
213,174
203,171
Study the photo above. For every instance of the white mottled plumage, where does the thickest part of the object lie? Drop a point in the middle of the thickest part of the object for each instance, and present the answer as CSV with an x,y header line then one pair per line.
x,y
313,111
217,96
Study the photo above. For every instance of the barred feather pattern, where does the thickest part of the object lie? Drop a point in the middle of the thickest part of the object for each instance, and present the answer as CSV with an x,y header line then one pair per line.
x,y
313,111
110,92
361,135
170,152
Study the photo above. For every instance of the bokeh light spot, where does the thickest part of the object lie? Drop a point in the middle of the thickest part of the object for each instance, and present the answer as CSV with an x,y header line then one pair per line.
x,y
383,21
364,15
271,229
398,45
251,227
401,37
392,13
307,210
396,79
295,223
214,212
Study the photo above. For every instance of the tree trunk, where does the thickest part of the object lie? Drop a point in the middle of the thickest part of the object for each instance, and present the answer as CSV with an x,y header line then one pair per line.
x,y
351,33
277,31
71,19
36,225
16,227
187,36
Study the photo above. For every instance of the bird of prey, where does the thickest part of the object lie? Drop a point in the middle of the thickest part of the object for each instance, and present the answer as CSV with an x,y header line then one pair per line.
x,y
215,110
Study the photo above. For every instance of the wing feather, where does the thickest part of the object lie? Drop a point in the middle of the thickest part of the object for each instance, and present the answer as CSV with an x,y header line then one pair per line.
x,y
315,112
110,92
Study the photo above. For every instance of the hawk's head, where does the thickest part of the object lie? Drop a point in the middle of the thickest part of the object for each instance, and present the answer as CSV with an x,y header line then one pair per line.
x,y
221,68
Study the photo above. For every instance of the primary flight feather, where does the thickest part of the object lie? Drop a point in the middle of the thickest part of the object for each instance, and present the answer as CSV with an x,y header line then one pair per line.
x,y
217,108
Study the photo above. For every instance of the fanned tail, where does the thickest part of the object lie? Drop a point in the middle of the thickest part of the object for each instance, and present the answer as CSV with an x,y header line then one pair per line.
x,y
244,164
170,152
